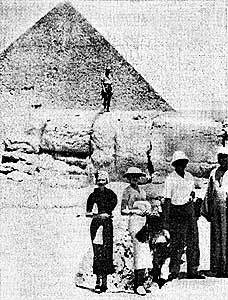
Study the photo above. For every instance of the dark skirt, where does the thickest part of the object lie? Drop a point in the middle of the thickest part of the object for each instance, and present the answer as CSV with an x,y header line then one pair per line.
x,y
103,254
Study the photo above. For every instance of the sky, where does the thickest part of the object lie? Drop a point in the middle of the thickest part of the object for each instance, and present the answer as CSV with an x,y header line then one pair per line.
x,y
179,46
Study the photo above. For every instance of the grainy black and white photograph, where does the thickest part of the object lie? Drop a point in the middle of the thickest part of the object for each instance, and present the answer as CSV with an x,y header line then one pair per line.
x,y
113,149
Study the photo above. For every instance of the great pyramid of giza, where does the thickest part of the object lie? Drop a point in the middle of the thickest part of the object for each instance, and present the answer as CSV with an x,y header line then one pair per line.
x,y
61,59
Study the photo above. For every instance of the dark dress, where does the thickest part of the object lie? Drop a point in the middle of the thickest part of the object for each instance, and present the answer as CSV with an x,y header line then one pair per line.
x,y
215,210
103,254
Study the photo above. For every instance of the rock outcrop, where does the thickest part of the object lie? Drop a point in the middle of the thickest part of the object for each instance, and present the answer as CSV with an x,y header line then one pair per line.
x,y
121,140
68,133
75,143
48,145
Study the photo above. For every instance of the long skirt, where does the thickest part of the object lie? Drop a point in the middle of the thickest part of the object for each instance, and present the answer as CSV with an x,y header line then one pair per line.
x,y
219,239
103,253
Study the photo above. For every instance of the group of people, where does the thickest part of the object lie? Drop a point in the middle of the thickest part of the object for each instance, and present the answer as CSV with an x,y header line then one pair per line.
x,y
162,231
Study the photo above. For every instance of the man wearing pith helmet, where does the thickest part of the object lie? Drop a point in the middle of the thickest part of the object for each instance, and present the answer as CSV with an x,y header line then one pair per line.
x,y
180,218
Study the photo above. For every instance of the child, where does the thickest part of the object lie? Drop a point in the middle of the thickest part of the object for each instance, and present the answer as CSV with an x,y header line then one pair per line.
x,y
158,240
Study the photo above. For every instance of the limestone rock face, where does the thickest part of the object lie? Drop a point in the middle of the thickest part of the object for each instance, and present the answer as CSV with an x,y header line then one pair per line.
x,y
74,142
198,138
122,139
48,143
18,176
72,161
68,133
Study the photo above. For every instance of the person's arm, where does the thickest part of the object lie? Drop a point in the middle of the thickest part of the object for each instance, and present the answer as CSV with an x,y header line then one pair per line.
x,y
167,203
166,213
112,201
206,210
150,168
124,203
89,206
197,202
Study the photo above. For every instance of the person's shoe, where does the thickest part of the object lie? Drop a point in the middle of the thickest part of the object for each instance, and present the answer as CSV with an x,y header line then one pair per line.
x,y
195,276
172,276
161,282
103,288
140,290
97,289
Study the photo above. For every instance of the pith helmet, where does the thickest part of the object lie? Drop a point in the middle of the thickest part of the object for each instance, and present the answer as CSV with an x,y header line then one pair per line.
x,y
134,171
222,150
179,155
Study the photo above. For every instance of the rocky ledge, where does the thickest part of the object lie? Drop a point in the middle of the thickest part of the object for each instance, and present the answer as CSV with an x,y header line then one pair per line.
x,y
72,144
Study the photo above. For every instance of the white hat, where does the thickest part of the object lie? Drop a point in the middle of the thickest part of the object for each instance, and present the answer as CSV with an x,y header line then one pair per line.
x,y
222,150
134,171
102,174
142,204
179,155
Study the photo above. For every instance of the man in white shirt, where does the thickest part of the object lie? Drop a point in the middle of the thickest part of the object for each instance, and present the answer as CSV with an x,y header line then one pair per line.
x,y
180,219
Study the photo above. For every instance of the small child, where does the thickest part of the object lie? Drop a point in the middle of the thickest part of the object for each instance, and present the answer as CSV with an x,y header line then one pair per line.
x,y
158,240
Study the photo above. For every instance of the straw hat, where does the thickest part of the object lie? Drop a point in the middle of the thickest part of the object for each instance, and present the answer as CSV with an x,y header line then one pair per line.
x,y
179,155
134,171
222,150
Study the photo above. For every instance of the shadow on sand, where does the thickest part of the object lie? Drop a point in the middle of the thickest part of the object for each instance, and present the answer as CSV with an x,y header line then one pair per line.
x,y
93,291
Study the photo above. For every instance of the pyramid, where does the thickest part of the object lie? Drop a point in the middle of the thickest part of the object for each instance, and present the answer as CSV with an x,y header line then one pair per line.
x,y
61,59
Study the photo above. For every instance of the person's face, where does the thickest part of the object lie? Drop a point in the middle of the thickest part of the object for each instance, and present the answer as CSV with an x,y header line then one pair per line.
x,y
180,165
133,179
223,160
101,181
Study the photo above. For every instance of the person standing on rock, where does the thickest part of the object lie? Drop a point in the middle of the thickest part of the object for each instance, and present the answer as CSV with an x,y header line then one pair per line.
x,y
180,218
137,219
215,210
224,137
106,88
101,229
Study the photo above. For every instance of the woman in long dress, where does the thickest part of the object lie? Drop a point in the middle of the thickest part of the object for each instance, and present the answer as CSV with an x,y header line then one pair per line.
x,y
214,209
137,219
101,230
